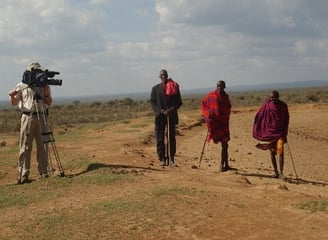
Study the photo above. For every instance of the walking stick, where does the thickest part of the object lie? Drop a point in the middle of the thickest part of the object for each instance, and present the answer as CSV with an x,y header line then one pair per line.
x,y
291,158
201,155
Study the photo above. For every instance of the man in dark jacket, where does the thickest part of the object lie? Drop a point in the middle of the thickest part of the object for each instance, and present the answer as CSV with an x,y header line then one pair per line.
x,y
166,100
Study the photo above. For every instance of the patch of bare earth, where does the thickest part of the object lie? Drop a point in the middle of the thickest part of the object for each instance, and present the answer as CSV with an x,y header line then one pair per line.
x,y
242,204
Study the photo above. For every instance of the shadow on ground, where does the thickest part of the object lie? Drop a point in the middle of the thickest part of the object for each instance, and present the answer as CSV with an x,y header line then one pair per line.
x,y
296,180
96,166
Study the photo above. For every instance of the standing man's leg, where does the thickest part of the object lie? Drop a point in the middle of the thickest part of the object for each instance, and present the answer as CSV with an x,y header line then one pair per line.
x,y
274,163
172,142
281,166
224,166
160,139
25,150
280,153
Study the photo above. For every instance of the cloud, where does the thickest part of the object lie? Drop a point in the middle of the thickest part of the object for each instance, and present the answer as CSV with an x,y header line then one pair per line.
x,y
119,46
251,17
254,35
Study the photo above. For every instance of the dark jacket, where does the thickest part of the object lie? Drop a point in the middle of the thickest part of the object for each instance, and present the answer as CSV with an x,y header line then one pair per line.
x,y
159,101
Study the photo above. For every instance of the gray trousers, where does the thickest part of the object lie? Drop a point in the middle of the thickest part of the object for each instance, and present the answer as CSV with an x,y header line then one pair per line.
x,y
32,128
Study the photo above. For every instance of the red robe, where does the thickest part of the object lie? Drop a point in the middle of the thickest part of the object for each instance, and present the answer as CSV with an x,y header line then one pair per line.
x,y
271,121
216,108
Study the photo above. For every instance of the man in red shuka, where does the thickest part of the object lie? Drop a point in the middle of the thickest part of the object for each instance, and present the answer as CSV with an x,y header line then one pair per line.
x,y
216,108
271,128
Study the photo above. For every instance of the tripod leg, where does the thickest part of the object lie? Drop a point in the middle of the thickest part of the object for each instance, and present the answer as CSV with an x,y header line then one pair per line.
x,y
42,145
51,140
50,165
60,167
48,137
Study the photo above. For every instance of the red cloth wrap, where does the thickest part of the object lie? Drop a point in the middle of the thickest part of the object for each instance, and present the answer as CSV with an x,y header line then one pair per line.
x,y
271,121
171,87
216,108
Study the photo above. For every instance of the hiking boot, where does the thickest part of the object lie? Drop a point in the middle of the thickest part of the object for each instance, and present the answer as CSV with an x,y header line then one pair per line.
x,y
23,180
172,163
275,175
44,175
281,176
163,163
228,168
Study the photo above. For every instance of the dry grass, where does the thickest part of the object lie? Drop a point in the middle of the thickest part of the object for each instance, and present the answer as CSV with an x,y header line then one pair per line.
x,y
72,115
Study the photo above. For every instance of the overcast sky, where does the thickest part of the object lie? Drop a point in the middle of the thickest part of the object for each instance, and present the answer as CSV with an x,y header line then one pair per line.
x,y
119,46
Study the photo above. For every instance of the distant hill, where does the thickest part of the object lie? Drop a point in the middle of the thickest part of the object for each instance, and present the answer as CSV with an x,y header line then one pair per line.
x,y
185,92
300,84
264,86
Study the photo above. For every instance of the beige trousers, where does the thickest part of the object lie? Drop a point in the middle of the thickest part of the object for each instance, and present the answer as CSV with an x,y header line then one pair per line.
x,y
32,127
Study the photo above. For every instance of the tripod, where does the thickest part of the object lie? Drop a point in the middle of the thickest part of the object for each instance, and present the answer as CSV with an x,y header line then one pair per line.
x,y
35,123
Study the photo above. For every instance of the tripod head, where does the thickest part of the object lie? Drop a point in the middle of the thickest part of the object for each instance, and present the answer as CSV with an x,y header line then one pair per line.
x,y
37,97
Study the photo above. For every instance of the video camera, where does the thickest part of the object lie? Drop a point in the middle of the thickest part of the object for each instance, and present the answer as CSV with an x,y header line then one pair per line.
x,y
40,78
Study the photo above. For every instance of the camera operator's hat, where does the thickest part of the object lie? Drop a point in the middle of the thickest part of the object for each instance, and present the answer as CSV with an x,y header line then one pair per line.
x,y
34,65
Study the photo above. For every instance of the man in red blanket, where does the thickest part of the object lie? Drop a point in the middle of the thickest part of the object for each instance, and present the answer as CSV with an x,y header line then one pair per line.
x,y
216,108
271,128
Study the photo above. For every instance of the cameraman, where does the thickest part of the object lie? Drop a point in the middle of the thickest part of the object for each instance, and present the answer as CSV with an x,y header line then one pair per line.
x,y
33,102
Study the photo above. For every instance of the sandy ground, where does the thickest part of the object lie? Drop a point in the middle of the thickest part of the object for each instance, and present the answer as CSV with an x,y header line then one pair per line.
x,y
246,203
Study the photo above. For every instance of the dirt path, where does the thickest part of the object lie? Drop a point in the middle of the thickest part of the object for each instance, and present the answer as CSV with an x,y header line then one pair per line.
x,y
248,203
